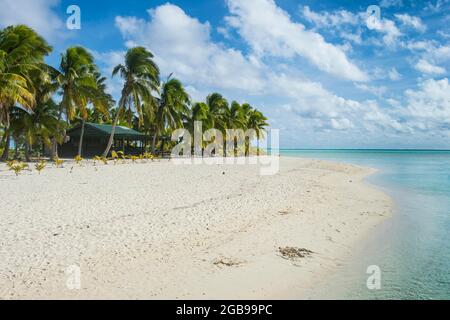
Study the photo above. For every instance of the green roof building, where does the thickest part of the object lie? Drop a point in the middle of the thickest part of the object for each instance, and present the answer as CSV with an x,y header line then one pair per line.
x,y
95,140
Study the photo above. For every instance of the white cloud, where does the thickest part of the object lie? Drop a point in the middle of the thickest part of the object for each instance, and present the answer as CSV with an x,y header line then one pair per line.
x,y
270,31
437,6
430,104
377,91
424,45
323,110
182,45
385,26
394,75
38,14
341,124
391,3
441,53
333,19
411,21
426,67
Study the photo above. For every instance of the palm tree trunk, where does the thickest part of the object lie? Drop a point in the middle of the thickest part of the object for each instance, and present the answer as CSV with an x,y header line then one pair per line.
x,y
16,147
27,151
247,147
80,145
7,139
257,144
54,148
154,142
113,131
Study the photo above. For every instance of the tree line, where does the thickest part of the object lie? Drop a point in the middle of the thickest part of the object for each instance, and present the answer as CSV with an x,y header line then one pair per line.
x,y
32,118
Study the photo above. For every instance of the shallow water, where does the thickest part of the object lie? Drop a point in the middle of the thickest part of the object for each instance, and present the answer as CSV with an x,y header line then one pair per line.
x,y
412,248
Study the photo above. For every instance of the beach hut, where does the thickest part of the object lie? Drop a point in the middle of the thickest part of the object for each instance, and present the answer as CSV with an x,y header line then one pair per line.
x,y
96,138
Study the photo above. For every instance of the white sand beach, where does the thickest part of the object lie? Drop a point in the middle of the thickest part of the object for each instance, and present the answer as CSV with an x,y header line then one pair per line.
x,y
155,230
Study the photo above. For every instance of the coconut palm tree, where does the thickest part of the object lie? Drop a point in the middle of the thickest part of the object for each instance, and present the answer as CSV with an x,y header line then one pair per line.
x,y
218,106
100,100
141,77
41,124
21,51
233,118
172,108
199,112
258,122
81,84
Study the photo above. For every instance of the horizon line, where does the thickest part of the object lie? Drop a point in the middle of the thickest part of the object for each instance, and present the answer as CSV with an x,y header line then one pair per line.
x,y
358,149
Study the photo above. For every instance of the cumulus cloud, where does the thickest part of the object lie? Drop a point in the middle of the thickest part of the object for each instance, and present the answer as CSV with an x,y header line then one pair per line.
x,y
426,67
349,24
38,14
429,106
385,26
182,45
270,31
394,75
324,110
411,21
391,3
331,19
377,91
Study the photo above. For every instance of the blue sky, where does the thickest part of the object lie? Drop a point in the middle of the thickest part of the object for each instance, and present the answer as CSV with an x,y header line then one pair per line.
x,y
326,73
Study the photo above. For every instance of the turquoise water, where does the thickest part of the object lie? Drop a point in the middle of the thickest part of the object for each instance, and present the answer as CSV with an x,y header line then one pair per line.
x,y
412,248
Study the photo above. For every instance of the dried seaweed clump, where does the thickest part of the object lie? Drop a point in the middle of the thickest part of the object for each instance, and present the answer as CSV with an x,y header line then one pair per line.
x,y
227,262
292,253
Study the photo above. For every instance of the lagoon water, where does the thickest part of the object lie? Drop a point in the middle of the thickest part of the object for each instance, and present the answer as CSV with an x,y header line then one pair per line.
x,y
412,248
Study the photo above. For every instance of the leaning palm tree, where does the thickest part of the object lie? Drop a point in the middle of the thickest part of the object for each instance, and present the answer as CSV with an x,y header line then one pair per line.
x,y
172,108
21,51
141,77
100,100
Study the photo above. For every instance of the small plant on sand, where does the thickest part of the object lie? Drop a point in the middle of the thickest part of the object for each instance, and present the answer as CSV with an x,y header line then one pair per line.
x,y
40,166
18,167
104,160
121,155
148,156
78,159
58,162
114,156
96,159
10,163
134,158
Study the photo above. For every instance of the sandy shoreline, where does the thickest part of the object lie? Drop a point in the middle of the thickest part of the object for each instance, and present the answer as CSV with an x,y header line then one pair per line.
x,y
156,230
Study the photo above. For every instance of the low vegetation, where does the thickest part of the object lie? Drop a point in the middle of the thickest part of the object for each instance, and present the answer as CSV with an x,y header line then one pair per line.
x,y
39,166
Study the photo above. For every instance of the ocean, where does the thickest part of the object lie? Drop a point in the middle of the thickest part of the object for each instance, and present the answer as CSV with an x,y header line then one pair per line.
x,y
411,249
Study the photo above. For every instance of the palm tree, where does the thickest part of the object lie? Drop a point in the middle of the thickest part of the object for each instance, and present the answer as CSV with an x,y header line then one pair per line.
x,y
40,124
218,106
141,76
199,112
81,84
101,102
258,122
172,108
234,118
21,51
